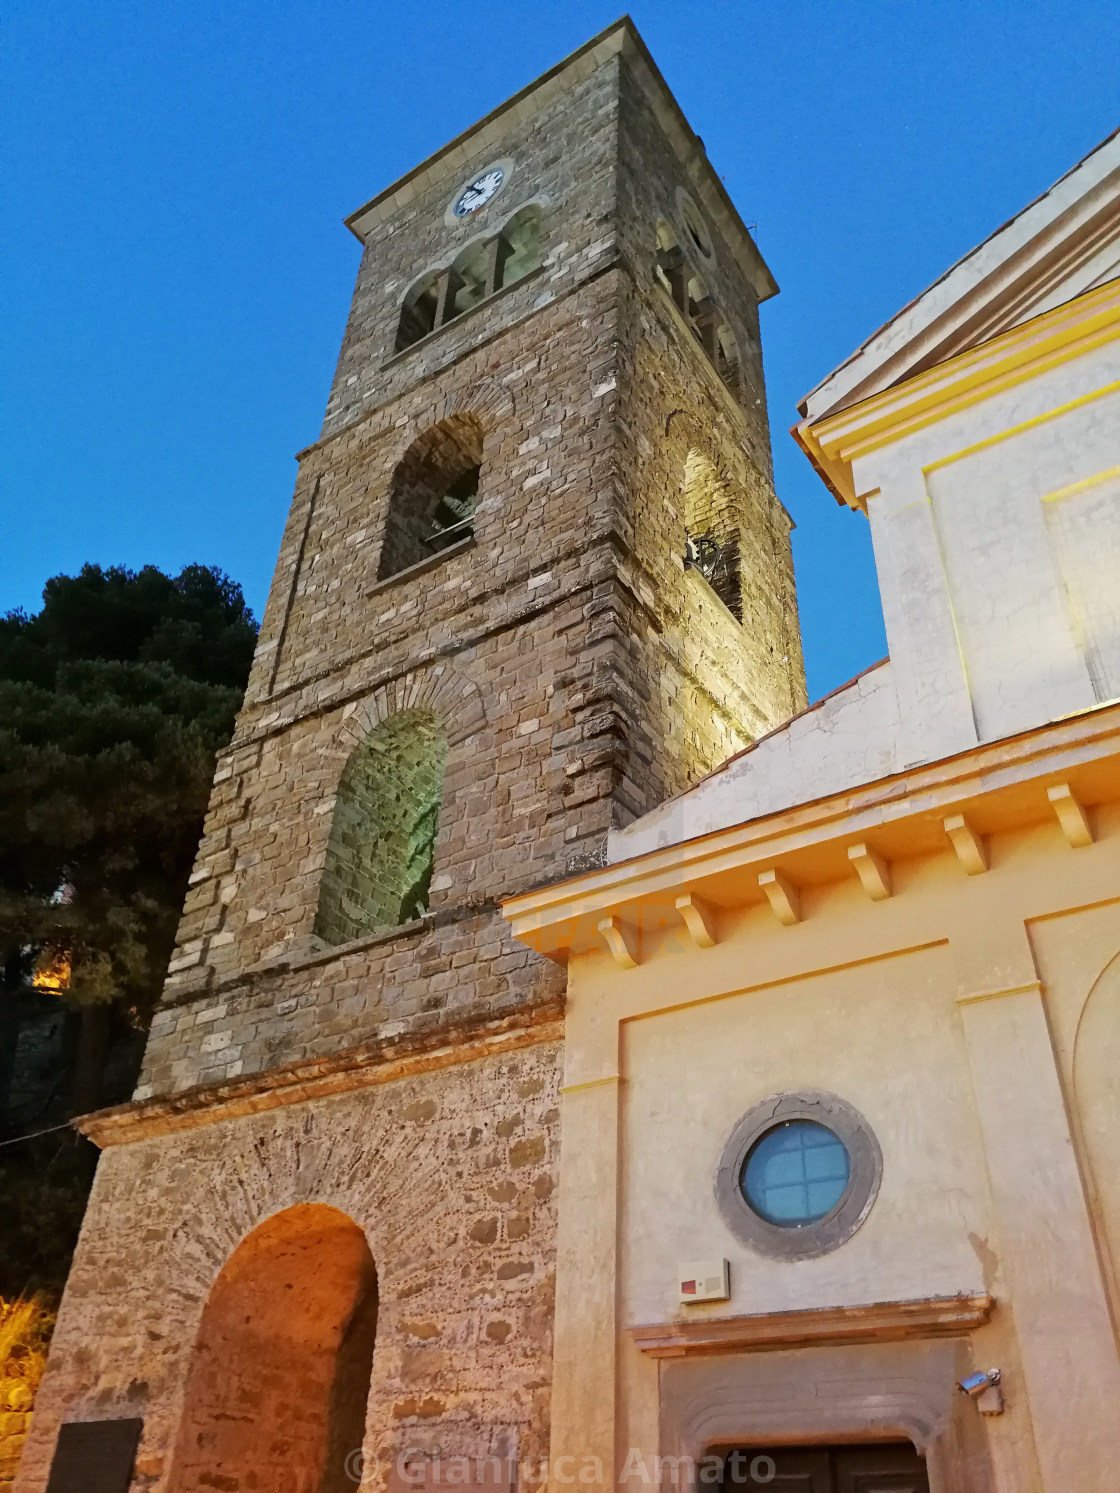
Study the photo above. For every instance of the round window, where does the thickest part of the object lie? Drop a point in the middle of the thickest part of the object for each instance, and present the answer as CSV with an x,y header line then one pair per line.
x,y
798,1175
698,233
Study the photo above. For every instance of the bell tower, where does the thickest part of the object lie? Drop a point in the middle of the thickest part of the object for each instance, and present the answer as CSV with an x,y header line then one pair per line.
x,y
534,580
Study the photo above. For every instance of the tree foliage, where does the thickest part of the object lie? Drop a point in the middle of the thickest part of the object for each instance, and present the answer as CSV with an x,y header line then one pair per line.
x,y
114,699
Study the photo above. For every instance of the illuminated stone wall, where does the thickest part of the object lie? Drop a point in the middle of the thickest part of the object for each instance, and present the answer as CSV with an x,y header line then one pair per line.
x,y
449,1175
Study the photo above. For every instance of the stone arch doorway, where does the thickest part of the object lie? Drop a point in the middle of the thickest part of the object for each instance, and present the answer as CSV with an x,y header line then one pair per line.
x,y
278,1383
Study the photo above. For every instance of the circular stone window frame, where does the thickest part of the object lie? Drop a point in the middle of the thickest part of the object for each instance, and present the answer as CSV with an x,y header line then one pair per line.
x,y
836,1227
692,220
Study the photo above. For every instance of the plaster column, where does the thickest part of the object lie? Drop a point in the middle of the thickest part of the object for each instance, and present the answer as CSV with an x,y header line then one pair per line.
x,y
585,1324
929,676
1058,1299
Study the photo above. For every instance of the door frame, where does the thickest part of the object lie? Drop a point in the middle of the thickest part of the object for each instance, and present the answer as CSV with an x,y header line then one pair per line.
x,y
900,1391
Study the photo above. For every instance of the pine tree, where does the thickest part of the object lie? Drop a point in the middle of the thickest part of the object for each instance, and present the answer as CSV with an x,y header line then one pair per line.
x,y
114,699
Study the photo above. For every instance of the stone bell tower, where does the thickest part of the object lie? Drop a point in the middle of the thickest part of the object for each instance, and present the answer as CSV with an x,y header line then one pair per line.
x,y
534,580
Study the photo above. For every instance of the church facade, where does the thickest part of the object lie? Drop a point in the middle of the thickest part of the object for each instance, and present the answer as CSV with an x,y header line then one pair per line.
x,y
582,1063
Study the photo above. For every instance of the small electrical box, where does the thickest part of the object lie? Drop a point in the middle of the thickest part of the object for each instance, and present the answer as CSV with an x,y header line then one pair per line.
x,y
704,1280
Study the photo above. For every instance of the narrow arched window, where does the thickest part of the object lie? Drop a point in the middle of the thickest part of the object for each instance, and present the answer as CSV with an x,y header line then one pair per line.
x,y
519,247
727,358
469,283
380,853
432,494
418,312
712,530
670,267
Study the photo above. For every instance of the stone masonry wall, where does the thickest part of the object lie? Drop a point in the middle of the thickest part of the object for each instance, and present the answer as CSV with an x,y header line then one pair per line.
x,y
449,1173
564,157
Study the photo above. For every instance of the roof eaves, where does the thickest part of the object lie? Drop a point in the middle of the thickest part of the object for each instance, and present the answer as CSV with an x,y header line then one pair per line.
x,y
953,269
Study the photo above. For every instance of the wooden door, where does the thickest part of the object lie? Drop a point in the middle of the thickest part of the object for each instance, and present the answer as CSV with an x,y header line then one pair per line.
x,y
784,1470
876,1468
879,1469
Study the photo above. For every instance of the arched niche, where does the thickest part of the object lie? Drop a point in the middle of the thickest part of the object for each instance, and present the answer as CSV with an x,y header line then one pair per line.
x,y
1096,1087
278,1383
378,869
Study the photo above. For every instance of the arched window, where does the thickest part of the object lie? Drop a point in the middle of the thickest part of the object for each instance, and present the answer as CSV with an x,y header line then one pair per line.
x,y
382,840
469,281
418,313
671,268
279,1379
432,494
480,271
712,530
690,296
727,358
519,247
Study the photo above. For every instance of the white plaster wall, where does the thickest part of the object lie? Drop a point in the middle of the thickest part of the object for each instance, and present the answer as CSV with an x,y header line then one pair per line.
x,y
846,739
997,542
883,1036
1085,534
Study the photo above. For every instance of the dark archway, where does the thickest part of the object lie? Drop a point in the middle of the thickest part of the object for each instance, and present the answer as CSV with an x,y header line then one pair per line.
x,y
276,1396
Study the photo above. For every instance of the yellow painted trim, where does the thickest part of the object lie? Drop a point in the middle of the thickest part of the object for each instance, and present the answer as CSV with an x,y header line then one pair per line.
x,y
975,997
591,1083
1031,424
1045,342
946,406
1060,494
565,910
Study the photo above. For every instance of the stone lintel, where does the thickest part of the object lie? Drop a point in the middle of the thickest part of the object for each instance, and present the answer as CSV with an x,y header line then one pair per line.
x,y
934,1316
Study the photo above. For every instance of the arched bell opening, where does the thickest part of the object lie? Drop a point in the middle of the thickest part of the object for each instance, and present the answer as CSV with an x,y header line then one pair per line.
x,y
279,1379
712,530
433,494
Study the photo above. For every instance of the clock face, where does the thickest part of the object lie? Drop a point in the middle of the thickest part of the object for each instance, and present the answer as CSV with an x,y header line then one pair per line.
x,y
479,192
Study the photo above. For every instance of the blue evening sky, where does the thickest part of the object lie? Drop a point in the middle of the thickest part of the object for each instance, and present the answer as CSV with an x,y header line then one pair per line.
x,y
177,276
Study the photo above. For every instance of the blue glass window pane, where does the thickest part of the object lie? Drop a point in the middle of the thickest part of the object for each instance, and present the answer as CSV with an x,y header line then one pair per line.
x,y
795,1173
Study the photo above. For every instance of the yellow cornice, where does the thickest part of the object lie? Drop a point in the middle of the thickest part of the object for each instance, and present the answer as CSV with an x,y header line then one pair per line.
x,y
1044,342
902,815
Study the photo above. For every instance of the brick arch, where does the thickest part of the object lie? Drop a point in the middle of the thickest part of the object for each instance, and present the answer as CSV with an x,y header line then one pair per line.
x,y
439,687
489,400
280,1369
691,434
